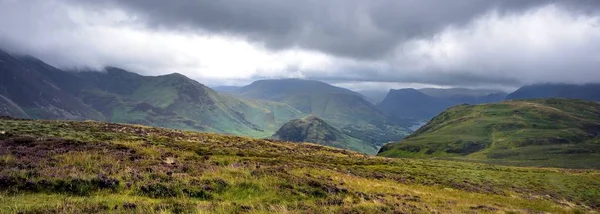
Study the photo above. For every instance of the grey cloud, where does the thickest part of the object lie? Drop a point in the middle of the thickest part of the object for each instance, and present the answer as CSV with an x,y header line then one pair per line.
x,y
359,31
349,28
453,79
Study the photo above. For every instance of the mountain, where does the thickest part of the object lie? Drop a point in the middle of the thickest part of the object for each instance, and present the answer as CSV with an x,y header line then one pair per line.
x,y
544,132
457,92
30,88
412,104
95,167
584,92
374,96
185,97
225,89
315,130
423,104
465,95
345,109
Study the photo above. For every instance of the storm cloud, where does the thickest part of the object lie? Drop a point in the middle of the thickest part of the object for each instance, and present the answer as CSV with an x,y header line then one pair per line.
x,y
353,28
463,43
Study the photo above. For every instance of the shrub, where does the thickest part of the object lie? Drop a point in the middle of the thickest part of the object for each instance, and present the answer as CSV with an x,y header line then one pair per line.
x,y
158,190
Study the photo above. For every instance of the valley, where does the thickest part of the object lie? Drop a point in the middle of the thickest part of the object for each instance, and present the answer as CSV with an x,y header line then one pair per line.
x,y
89,141
294,107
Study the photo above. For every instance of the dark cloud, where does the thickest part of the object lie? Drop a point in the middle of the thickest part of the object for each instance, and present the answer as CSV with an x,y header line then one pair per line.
x,y
353,28
459,43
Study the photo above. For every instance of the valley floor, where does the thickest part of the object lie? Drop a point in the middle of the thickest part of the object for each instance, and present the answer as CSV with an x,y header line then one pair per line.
x,y
92,167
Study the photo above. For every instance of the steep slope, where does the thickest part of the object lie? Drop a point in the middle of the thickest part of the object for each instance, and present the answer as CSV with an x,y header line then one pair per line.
x,y
175,93
315,130
281,89
546,132
344,109
27,89
466,96
423,104
412,104
584,92
93,167
226,89
30,88
10,108
452,92
374,96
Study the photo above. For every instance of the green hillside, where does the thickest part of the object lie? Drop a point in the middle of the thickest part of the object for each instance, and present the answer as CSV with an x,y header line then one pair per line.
x,y
346,110
30,88
175,98
544,132
315,130
93,167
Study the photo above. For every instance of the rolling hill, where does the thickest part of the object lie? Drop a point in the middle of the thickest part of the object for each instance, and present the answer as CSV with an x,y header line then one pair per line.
x,y
96,167
584,92
30,88
539,132
342,108
315,130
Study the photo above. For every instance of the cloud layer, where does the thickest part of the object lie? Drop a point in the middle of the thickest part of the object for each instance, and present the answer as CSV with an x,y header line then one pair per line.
x,y
465,43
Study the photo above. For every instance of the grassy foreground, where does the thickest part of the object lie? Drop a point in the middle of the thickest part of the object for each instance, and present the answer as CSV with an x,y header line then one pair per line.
x,y
93,167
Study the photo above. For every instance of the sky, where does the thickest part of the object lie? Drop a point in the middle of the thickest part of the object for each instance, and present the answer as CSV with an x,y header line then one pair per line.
x,y
362,45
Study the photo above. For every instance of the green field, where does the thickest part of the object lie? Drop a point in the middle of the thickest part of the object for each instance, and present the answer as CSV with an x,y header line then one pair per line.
x,y
94,167
542,132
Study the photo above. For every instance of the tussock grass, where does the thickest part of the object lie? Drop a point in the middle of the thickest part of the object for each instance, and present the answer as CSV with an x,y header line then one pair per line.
x,y
91,167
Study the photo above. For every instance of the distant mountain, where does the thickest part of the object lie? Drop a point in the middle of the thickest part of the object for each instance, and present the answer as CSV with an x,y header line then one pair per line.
x,y
33,89
374,96
343,108
315,130
225,89
541,132
423,104
584,92
457,92
413,104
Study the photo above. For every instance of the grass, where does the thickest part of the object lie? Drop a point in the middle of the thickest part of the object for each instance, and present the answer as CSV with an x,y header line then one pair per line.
x,y
543,132
93,167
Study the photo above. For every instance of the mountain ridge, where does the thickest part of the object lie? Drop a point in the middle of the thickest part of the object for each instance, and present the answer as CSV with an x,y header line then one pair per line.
x,y
31,88
552,132
346,110
555,90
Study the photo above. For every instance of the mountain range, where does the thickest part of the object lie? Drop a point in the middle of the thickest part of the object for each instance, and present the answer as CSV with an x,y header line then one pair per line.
x,y
33,89
346,110
30,88
553,90
423,104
